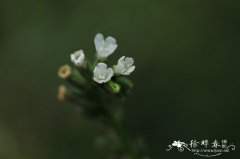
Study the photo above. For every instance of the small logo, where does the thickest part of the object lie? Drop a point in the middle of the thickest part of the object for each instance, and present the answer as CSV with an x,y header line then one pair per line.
x,y
204,148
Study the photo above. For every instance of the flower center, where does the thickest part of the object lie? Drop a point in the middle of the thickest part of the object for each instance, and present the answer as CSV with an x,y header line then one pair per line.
x,y
101,77
77,56
105,48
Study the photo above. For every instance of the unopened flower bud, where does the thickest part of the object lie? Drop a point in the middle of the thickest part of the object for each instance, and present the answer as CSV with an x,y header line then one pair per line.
x,y
112,87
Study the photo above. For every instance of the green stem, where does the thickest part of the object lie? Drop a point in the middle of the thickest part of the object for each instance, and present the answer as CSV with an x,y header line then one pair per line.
x,y
122,135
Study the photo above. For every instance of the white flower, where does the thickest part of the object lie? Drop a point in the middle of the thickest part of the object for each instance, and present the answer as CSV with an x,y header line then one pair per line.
x,y
102,74
104,47
78,58
125,66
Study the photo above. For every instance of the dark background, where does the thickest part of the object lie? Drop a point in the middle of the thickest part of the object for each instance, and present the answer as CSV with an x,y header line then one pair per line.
x,y
187,77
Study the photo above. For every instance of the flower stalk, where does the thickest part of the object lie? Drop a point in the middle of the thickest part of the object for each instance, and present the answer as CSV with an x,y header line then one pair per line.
x,y
99,90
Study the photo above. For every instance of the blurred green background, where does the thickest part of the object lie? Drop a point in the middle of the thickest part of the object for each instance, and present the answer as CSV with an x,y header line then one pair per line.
x,y
187,78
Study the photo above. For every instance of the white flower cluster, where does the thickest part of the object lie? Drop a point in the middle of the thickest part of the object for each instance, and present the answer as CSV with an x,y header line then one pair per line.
x,y
104,48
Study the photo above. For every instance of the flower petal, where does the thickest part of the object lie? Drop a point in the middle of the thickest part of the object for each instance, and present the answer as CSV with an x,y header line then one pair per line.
x,y
120,68
129,61
121,60
110,74
110,40
103,53
102,66
111,44
78,57
130,70
99,41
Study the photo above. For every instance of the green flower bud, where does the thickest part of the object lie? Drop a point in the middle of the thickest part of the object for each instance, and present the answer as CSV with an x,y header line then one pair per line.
x,y
113,87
